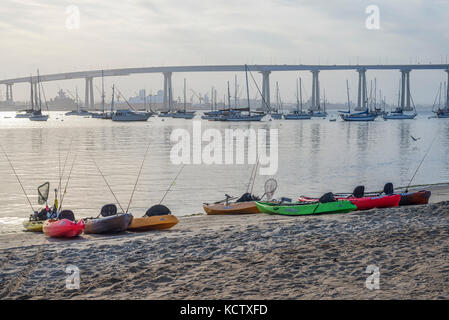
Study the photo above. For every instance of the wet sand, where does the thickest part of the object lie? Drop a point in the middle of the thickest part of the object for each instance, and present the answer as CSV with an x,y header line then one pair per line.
x,y
243,257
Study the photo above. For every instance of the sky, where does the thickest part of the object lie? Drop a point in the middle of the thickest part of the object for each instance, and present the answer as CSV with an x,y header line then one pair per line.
x,y
45,35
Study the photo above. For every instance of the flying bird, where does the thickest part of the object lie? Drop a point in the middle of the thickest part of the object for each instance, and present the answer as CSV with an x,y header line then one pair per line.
x,y
415,139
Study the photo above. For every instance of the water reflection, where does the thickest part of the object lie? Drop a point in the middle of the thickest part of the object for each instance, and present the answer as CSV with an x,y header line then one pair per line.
x,y
314,157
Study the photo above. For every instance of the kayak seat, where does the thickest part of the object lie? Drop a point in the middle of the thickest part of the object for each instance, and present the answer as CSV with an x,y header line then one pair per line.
x,y
359,192
67,214
42,215
108,210
247,197
327,197
157,210
388,188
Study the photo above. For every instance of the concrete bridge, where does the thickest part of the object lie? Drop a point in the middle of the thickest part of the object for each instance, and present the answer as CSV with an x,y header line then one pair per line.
x,y
265,70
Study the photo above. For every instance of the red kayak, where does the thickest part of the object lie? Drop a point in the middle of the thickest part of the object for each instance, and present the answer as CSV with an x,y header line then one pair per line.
x,y
414,198
366,203
63,228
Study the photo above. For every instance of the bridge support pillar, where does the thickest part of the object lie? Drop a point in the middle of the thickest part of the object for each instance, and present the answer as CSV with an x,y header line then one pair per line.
x,y
266,89
315,91
9,97
405,90
168,91
361,95
89,93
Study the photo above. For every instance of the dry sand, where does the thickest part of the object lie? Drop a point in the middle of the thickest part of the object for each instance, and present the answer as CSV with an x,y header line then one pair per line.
x,y
243,257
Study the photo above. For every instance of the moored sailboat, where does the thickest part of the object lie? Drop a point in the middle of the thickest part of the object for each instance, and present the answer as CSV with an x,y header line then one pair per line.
x,y
298,114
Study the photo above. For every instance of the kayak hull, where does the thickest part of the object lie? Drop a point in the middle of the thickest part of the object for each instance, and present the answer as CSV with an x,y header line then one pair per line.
x,y
63,228
415,198
366,203
112,224
33,226
153,223
248,207
301,209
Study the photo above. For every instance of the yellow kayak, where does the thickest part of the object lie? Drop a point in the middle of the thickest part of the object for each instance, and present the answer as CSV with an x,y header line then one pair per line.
x,y
34,226
153,223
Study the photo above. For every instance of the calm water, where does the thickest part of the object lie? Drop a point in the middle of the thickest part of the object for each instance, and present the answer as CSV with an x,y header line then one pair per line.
x,y
315,156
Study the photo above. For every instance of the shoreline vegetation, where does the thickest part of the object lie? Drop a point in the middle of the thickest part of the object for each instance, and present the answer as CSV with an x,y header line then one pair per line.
x,y
244,257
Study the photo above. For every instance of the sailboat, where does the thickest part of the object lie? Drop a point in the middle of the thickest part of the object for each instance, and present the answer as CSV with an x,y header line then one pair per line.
x,y
237,115
398,113
183,114
27,112
359,116
275,113
298,114
127,114
442,111
102,115
37,115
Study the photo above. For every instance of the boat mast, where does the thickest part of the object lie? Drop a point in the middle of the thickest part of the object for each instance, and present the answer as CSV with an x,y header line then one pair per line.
x,y
215,99
229,98
32,94
212,99
235,91
300,93
324,100
297,96
112,101
185,95
277,96
102,90
247,88
347,91
76,99
39,89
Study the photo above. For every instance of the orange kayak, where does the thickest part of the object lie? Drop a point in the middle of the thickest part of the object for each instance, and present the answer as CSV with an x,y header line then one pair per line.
x,y
153,223
63,228
231,208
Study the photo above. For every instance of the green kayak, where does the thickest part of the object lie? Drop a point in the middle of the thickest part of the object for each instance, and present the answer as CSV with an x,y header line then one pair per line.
x,y
301,208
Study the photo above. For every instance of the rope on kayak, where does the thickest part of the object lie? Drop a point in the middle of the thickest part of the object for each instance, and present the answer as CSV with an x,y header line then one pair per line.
x,y
172,183
106,181
419,166
17,177
138,175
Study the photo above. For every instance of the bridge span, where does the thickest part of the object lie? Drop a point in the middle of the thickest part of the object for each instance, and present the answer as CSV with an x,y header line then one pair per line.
x,y
265,70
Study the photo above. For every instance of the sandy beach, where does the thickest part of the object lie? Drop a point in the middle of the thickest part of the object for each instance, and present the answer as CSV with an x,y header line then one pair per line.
x,y
243,257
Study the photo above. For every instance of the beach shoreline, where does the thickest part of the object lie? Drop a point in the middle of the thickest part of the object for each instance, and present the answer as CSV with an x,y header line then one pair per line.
x,y
242,257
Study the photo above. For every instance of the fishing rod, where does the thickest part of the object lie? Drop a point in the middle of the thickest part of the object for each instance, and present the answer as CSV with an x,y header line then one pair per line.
x,y
138,175
67,183
253,173
171,184
104,178
17,177
63,169
419,166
